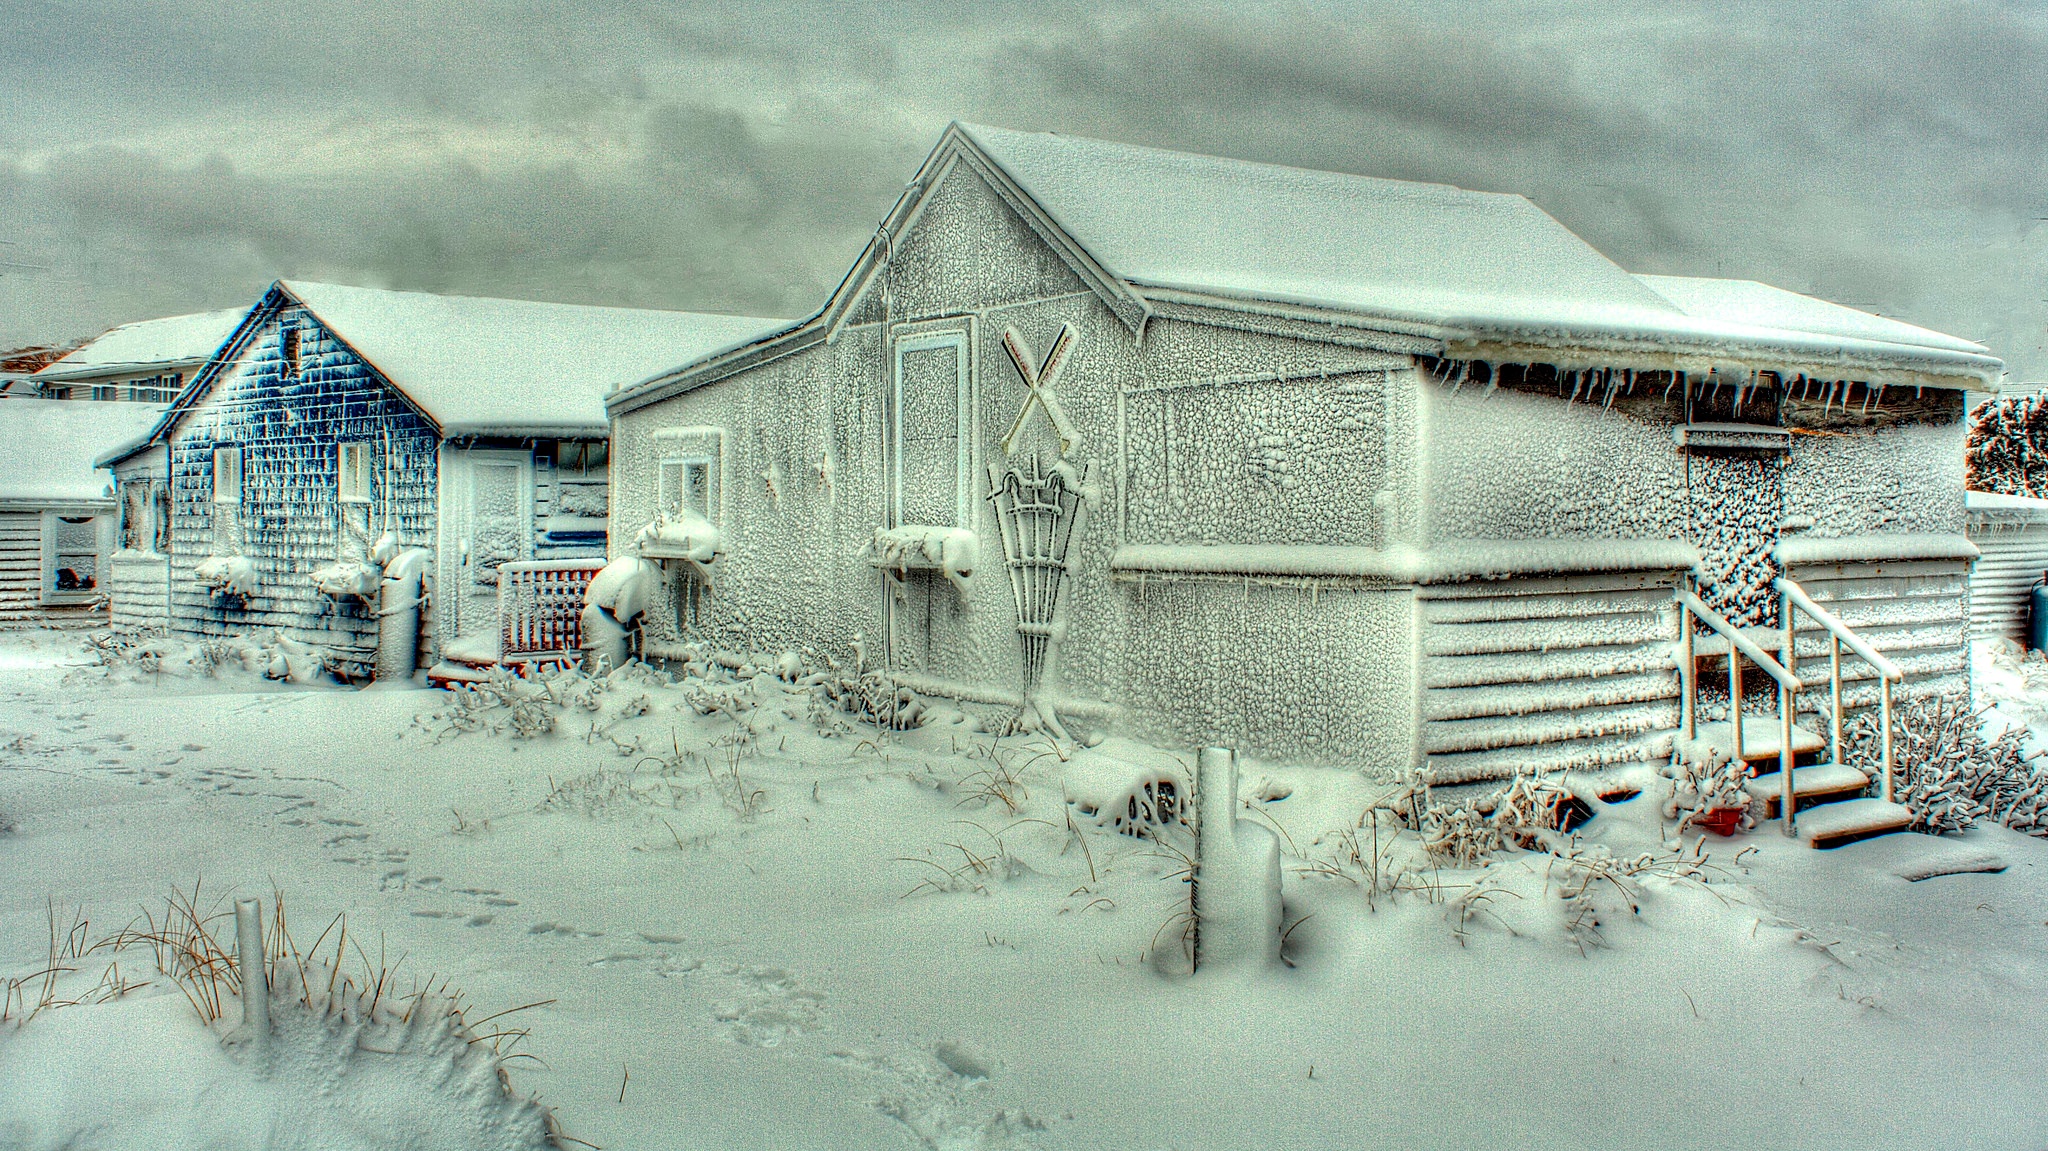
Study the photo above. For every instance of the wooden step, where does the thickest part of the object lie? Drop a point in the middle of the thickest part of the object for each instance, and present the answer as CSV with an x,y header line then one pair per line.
x,y
1817,784
1834,824
1759,738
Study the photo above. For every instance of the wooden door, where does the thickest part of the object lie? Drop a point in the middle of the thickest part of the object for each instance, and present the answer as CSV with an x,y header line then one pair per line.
x,y
495,514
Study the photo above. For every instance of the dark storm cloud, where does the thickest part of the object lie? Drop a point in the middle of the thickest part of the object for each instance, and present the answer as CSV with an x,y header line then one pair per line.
x,y
735,156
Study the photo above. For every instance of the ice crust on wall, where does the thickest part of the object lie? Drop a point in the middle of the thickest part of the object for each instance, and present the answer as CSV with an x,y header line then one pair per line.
x,y
796,572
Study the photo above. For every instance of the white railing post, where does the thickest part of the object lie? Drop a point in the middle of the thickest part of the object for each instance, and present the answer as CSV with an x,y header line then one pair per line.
x,y
1787,700
1688,669
1834,697
1885,719
1735,701
250,965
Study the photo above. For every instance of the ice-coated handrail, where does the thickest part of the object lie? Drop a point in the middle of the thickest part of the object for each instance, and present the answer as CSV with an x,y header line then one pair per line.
x,y
1826,619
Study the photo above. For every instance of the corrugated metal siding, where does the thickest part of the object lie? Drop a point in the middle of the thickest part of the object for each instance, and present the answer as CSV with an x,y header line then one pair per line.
x,y
1544,674
2015,554
21,566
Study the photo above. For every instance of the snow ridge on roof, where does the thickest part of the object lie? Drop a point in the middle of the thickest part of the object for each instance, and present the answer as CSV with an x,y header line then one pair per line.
x,y
47,447
483,366
165,343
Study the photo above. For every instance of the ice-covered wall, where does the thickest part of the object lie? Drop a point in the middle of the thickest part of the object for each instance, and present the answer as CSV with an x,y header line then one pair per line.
x,y
289,520
1199,434
1510,464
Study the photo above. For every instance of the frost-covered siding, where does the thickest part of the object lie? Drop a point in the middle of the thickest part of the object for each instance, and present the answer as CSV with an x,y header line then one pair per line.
x,y
1914,612
289,520
1199,435
1547,673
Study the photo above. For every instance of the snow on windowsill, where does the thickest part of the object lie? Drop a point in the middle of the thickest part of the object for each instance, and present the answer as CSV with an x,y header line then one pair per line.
x,y
953,551
1872,548
688,537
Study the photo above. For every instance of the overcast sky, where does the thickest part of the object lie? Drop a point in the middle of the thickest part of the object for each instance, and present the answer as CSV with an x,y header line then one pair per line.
x,y
166,157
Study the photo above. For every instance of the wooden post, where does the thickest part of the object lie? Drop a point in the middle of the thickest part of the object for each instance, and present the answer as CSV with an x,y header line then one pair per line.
x,y
1834,697
1688,671
1785,756
1735,697
1885,718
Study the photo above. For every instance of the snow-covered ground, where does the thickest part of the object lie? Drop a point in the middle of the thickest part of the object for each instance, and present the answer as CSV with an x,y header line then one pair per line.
x,y
762,925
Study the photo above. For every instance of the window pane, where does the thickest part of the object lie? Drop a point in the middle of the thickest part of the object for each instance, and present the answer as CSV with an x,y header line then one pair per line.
x,y
596,455
928,435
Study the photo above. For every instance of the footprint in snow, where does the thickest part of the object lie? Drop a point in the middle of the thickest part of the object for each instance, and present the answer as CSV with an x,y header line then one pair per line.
x,y
943,1101
563,930
770,1008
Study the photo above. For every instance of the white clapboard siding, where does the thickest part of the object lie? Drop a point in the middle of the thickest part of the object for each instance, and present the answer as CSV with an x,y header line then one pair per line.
x,y
1915,613
1547,673
139,584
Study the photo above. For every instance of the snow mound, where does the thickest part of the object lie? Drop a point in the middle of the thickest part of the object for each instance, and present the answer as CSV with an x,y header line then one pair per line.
x,y
144,1072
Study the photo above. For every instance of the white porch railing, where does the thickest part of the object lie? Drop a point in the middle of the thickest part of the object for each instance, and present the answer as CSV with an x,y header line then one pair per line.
x,y
1888,673
540,607
1738,645
1789,683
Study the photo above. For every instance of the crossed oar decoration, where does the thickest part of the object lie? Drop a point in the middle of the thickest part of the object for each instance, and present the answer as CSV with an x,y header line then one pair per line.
x,y
1040,381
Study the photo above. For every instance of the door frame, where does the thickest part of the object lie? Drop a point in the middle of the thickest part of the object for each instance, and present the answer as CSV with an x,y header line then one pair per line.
x,y
458,514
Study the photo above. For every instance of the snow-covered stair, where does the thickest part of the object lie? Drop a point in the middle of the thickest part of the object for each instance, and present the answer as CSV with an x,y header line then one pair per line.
x,y
1834,824
1760,738
1815,784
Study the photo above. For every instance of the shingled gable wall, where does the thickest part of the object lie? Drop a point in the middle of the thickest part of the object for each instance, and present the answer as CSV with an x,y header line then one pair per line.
x,y
289,521
1198,434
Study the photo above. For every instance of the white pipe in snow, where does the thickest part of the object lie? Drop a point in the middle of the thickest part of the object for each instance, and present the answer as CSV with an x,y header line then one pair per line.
x,y
1236,894
398,615
249,962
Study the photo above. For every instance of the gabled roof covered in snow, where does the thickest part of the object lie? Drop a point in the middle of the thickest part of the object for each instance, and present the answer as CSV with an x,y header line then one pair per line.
x,y
1482,274
1429,253
479,366
148,346
48,447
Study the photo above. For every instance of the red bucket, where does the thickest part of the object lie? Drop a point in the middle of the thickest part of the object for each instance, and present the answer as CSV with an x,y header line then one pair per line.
x,y
1721,820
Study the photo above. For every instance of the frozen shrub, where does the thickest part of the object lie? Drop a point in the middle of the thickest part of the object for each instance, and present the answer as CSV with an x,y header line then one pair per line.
x,y
2004,451
1943,769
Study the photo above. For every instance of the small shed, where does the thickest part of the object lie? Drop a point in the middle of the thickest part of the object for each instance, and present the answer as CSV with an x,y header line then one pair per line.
x,y
1312,464
337,426
56,523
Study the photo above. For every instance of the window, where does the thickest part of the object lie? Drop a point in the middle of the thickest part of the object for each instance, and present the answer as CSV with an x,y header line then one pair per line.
x,y
575,459
928,444
73,544
56,393
354,469
106,391
689,484
227,475
289,353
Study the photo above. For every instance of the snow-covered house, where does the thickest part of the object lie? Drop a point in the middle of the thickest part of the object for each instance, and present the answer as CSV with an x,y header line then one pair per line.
x,y
146,362
56,530
1312,464
337,429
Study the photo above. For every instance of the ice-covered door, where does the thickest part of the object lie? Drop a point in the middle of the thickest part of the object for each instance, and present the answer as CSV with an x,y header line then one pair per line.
x,y
929,488
496,526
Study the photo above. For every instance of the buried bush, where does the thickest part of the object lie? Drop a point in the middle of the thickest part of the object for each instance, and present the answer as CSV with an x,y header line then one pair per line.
x,y
1945,772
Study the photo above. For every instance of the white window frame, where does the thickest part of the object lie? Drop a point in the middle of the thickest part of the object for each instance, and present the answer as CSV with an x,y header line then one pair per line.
x,y
352,482
669,496
227,483
960,339
50,557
